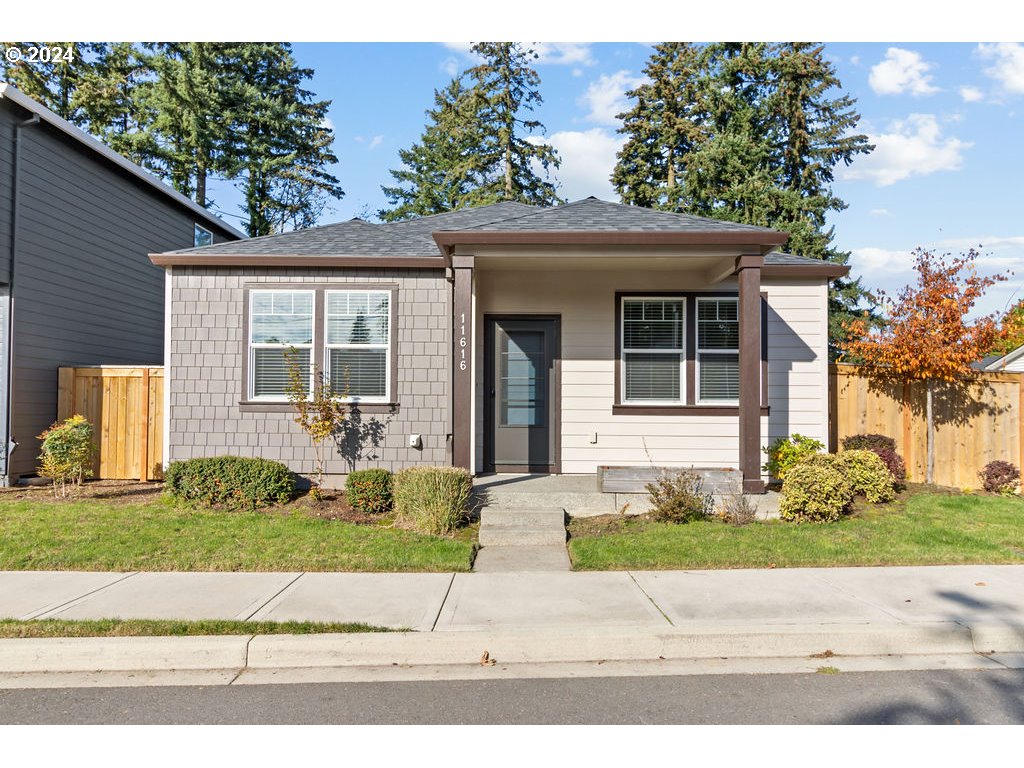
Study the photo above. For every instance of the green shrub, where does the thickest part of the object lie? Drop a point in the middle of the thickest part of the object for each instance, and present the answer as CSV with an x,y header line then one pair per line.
x,y
885,447
815,491
369,490
230,481
867,473
432,499
67,452
786,452
679,498
1000,477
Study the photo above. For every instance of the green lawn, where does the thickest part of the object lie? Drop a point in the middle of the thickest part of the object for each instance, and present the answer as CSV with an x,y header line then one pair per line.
x,y
97,535
922,529
12,628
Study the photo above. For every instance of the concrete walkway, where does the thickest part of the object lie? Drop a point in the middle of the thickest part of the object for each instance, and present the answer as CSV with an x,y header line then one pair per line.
x,y
535,623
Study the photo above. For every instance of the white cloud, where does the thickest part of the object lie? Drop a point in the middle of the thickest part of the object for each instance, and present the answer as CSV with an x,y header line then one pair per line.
x,y
879,212
902,71
588,158
606,96
971,94
327,123
912,147
375,141
1008,64
450,66
855,60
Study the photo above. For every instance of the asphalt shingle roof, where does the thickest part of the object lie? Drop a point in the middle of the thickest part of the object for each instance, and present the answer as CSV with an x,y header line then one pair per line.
x,y
413,237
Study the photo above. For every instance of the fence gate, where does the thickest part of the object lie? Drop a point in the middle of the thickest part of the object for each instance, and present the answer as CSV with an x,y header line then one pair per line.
x,y
125,406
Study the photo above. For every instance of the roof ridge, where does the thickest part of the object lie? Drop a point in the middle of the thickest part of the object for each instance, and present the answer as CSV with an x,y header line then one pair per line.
x,y
457,210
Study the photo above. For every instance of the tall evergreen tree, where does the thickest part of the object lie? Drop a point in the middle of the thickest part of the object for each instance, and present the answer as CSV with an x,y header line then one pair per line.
x,y
505,86
281,143
479,145
52,83
438,173
115,99
764,131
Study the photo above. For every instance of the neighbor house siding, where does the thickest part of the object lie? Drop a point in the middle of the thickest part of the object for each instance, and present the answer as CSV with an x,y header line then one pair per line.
x,y
85,291
585,300
208,353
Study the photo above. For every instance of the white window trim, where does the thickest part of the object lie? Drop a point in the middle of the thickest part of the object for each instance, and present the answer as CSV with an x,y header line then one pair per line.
x,y
623,350
386,347
202,229
251,394
717,350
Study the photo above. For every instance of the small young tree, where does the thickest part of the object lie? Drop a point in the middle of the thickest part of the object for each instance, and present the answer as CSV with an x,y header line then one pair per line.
x,y
67,452
320,413
1011,331
927,336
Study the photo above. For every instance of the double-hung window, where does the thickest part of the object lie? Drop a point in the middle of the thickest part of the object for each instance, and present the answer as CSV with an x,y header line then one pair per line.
x,y
653,350
358,344
718,353
279,321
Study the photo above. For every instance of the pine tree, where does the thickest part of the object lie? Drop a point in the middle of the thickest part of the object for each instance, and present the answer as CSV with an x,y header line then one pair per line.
x,y
505,85
115,100
281,144
763,132
52,83
439,172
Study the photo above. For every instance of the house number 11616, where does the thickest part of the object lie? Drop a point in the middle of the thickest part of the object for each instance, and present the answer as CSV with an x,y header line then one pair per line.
x,y
462,341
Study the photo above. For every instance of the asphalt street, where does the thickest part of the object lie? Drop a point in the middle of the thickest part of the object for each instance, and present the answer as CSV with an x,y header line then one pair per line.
x,y
932,697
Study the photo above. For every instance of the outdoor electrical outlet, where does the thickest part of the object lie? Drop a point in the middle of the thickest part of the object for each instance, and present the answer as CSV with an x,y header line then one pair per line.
x,y
415,441
593,438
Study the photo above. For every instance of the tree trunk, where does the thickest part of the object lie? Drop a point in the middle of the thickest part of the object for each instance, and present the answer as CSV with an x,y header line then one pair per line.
x,y
930,438
508,170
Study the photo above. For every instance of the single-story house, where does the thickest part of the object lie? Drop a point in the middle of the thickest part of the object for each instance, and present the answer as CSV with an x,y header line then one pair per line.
x,y
77,222
1011,362
505,338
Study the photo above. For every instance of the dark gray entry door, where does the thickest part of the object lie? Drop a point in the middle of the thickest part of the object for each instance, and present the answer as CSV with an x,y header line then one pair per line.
x,y
522,390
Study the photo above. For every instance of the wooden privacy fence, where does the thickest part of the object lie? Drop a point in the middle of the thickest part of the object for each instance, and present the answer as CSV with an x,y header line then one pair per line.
x,y
125,405
970,430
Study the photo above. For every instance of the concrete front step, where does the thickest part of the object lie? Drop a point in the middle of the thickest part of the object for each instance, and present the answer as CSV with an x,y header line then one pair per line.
x,y
515,536
521,559
553,517
522,527
596,503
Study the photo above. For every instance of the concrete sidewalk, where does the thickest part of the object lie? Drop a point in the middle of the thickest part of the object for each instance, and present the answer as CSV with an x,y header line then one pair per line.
x,y
532,617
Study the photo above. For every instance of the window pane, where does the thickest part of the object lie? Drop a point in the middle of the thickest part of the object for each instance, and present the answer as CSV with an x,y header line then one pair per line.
x,y
719,377
652,377
281,317
202,236
359,372
718,325
523,379
652,324
358,317
270,371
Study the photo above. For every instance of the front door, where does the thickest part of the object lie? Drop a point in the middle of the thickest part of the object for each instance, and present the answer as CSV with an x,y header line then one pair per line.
x,y
522,390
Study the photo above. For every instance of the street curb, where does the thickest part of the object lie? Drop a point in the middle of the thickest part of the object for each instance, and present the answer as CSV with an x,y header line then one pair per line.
x,y
58,655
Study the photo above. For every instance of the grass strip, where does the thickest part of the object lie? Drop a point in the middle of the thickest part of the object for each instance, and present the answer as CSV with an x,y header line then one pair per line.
x,y
35,628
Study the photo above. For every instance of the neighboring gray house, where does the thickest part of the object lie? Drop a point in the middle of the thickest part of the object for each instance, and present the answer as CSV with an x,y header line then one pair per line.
x,y
1011,362
506,338
76,224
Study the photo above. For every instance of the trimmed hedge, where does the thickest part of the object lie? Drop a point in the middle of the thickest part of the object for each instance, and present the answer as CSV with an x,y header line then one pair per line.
x,y
369,490
815,491
230,481
432,499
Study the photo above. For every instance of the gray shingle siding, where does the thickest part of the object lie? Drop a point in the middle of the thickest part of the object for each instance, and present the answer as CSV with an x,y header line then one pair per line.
x,y
85,292
208,355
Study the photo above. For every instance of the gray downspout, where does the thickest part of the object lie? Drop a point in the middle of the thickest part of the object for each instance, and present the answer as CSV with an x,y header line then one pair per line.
x,y
9,445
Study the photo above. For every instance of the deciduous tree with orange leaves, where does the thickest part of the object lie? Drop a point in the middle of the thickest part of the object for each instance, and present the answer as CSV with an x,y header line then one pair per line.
x,y
927,335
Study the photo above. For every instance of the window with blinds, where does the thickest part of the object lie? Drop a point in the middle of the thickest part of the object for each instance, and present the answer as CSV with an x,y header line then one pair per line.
x,y
358,342
653,350
278,321
718,350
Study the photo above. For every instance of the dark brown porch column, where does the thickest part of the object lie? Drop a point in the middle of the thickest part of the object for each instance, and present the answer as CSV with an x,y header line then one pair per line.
x,y
748,267
462,362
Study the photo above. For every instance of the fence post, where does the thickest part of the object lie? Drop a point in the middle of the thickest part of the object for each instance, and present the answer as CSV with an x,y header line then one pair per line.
x,y
65,392
144,429
908,434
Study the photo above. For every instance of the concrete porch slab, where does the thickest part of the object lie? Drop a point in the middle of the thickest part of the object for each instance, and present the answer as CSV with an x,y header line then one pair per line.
x,y
399,600
488,600
179,596
30,594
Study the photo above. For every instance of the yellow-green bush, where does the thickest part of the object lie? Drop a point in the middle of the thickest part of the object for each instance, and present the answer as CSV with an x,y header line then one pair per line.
x,y
432,499
815,491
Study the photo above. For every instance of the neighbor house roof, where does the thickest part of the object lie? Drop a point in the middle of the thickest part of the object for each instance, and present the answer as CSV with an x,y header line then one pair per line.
x,y
429,240
11,93
999,362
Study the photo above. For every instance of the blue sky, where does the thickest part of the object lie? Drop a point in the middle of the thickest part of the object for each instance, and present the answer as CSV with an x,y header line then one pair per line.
x,y
946,119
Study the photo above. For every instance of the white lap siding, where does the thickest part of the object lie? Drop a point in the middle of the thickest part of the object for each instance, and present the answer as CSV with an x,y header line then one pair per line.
x,y
585,300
